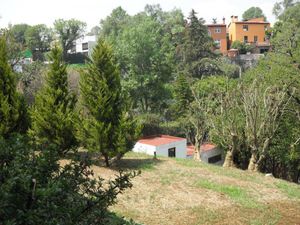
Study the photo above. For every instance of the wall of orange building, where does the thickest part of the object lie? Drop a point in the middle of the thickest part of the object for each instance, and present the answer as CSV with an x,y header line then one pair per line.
x,y
236,32
219,36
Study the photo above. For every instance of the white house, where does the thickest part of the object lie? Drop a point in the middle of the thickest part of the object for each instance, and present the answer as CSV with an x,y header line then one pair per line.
x,y
163,145
85,45
210,153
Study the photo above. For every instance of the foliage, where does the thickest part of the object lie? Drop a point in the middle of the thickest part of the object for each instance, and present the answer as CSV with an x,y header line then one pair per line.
x,y
280,7
38,39
242,47
104,120
195,50
36,189
252,13
10,104
53,117
68,31
182,95
286,38
31,79
19,31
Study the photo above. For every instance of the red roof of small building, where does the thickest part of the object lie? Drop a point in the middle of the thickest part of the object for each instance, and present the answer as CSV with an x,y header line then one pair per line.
x,y
204,147
159,140
216,25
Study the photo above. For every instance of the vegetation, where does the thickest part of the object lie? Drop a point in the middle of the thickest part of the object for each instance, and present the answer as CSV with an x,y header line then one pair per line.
x,y
242,47
52,116
150,73
104,121
252,13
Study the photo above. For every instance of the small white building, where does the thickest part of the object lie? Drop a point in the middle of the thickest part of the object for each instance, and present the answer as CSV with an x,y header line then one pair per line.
x,y
85,45
210,153
163,145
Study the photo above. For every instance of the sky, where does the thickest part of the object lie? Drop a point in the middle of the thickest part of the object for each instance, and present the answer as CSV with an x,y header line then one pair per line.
x,y
92,11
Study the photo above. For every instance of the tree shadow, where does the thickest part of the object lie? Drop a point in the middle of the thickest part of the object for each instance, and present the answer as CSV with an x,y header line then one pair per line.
x,y
136,164
125,163
114,219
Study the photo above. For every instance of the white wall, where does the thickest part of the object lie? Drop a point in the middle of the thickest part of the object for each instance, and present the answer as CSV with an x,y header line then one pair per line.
x,y
162,150
180,149
143,148
91,40
207,154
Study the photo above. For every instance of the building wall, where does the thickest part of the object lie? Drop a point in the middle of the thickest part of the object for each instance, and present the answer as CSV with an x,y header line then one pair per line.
x,y
180,146
219,36
236,31
143,148
162,150
90,40
208,154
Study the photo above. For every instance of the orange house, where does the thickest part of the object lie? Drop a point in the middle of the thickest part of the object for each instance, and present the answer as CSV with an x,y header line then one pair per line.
x,y
251,31
218,32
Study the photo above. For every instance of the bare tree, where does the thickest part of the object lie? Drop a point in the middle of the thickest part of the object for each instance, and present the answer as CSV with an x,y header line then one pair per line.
x,y
227,125
262,108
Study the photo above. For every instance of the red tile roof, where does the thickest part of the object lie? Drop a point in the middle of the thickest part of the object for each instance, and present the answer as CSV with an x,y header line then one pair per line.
x,y
159,140
216,25
205,148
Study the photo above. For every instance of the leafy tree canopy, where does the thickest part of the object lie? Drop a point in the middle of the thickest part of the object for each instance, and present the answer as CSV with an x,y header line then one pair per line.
x,y
253,12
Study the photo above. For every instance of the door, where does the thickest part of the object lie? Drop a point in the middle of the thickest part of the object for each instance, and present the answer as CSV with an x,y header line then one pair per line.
x,y
172,152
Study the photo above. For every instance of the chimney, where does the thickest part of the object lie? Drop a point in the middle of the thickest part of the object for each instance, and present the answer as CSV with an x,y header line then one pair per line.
x,y
234,19
223,20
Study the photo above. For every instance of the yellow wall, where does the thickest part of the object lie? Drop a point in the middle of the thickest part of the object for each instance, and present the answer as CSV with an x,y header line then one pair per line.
x,y
236,32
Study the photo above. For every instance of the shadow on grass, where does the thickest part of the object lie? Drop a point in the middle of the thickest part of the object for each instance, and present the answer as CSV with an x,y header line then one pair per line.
x,y
114,219
131,161
136,164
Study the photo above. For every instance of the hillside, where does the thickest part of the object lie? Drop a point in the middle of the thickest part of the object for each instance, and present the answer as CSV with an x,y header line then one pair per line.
x,y
172,191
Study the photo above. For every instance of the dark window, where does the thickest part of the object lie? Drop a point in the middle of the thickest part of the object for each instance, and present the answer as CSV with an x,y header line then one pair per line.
x,y
246,39
217,30
85,46
172,152
245,27
215,159
255,38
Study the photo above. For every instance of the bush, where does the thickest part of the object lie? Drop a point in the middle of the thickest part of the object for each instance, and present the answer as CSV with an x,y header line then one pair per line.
x,y
36,189
242,47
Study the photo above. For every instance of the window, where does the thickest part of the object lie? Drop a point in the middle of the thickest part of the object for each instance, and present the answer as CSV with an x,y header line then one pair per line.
x,y
85,46
217,43
255,39
215,159
172,152
245,27
209,33
245,39
217,30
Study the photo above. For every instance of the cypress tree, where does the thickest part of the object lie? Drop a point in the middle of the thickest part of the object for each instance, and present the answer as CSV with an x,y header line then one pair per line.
x,y
53,116
103,106
9,98
182,94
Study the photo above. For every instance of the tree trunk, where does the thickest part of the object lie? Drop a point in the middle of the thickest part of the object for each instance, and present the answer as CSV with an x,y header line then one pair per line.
x,y
197,149
253,163
106,159
228,162
230,153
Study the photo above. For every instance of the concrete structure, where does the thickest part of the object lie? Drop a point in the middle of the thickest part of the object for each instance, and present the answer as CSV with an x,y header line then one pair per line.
x,y
218,32
210,153
163,145
85,45
251,31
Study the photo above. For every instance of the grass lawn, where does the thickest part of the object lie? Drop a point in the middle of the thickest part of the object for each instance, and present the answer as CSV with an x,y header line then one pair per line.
x,y
185,192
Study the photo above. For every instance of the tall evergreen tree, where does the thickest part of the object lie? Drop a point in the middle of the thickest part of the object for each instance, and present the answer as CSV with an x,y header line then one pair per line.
x,y
196,48
182,94
101,95
53,112
9,98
